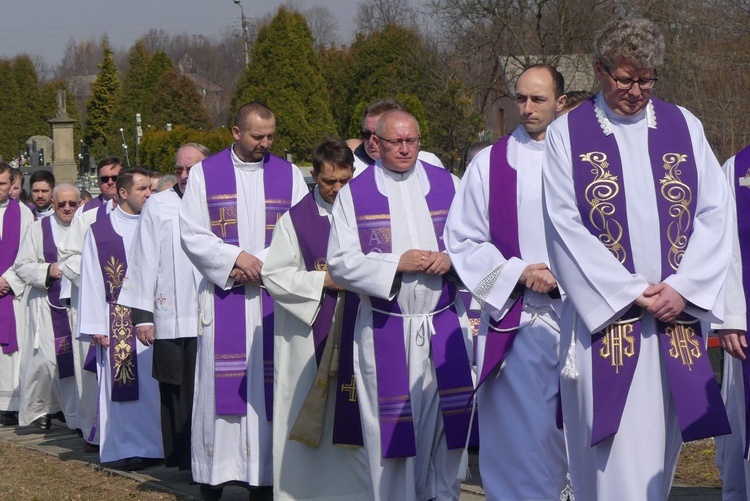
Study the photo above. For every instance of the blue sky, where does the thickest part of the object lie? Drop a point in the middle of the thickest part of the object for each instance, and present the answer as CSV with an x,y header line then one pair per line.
x,y
44,27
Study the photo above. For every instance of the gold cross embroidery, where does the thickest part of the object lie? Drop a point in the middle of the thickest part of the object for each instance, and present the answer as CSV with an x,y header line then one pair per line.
x,y
223,221
351,388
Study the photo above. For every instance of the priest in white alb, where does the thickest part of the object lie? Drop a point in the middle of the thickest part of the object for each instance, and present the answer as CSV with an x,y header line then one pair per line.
x,y
128,418
636,214
227,216
48,384
412,348
317,434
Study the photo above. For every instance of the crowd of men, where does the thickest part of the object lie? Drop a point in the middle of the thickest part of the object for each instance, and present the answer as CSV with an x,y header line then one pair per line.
x,y
314,344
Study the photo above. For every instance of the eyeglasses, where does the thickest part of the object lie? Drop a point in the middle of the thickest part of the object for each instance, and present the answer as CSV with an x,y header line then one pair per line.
x,y
367,134
627,83
105,179
72,203
409,141
179,169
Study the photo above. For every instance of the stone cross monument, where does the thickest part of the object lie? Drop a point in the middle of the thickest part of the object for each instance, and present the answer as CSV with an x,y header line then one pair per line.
x,y
63,159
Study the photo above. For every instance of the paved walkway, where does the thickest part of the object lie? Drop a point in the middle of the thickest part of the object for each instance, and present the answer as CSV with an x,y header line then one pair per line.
x,y
65,444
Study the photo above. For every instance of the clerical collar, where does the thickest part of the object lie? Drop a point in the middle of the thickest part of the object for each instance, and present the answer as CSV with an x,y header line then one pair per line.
x,y
607,117
46,212
124,215
397,176
241,164
321,202
527,141
177,189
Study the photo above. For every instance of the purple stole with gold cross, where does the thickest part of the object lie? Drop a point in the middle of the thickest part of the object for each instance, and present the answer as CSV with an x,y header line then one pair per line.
x,y
503,218
58,311
452,365
312,231
230,351
600,195
742,196
123,357
10,241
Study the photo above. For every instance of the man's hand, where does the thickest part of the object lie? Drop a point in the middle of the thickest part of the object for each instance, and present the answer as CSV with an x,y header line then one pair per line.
x,y
667,302
238,276
538,278
328,283
438,263
413,261
250,266
643,301
55,272
100,340
145,334
4,287
733,341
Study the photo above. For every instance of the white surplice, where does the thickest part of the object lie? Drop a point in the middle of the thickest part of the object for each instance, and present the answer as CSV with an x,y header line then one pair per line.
x,y
730,449
10,364
432,473
42,391
160,278
526,459
327,471
69,251
639,461
126,429
227,448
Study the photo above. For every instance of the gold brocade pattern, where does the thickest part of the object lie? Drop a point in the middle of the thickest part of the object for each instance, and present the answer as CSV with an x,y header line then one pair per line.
x,y
599,194
321,264
114,271
121,334
680,197
227,217
684,344
618,343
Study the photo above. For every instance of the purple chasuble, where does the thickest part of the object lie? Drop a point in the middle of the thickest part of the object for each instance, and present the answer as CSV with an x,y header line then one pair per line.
x,y
742,196
600,194
58,311
452,365
312,231
9,244
230,351
122,349
94,203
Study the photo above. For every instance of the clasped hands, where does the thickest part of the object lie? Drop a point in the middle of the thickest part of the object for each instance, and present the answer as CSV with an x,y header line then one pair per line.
x,y
424,261
246,269
662,301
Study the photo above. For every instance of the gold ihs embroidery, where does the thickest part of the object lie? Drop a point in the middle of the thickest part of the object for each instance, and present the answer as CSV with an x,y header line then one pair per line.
x,y
321,264
684,343
680,196
618,343
599,195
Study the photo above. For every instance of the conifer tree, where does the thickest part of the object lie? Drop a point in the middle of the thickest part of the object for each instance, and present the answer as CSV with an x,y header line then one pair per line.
x,y
175,100
101,104
33,123
11,113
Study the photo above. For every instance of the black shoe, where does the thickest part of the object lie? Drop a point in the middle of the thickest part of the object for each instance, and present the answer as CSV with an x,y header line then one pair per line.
x,y
60,416
211,493
8,418
90,448
131,464
43,423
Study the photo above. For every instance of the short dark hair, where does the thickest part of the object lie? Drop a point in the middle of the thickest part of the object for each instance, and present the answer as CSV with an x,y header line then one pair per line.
x,y
381,106
42,175
575,97
248,109
107,161
557,79
125,178
15,174
4,167
332,151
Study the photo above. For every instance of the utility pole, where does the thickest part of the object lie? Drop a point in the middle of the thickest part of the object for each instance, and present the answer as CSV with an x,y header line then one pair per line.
x,y
244,32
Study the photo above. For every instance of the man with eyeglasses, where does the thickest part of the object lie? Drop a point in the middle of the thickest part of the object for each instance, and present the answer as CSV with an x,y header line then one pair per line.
x,y
637,234
15,219
161,288
495,237
69,252
412,347
367,153
48,384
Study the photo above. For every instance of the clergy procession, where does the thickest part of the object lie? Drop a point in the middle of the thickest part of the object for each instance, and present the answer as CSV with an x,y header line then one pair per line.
x,y
311,342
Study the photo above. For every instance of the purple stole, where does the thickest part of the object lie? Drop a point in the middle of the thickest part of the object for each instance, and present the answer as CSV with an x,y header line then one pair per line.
x,y
94,203
10,241
503,218
90,363
742,196
452,369
600,195
123,358
312,231
230,358
58,311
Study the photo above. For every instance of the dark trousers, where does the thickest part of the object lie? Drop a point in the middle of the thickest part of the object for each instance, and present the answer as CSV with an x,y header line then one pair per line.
x,y
174,369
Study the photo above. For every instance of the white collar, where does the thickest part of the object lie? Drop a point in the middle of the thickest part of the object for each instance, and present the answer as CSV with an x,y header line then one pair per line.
x,y
602,115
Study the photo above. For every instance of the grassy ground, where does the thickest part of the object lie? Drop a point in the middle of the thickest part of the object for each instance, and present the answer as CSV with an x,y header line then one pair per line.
x,y
31,475
697,465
